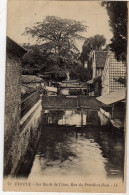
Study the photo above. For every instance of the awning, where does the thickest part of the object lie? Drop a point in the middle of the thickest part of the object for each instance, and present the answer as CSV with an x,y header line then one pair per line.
x,y
112,97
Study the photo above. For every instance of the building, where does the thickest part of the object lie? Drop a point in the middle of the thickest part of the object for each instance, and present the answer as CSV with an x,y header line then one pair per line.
x,y
107,74
12,99
98,62
113,93
112,73
114,109
73,87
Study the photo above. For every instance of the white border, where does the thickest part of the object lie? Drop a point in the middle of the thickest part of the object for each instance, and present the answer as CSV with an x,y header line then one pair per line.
x,y
3,10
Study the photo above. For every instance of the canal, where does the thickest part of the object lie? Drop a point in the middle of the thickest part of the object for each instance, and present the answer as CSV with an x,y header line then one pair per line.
x,y
73,142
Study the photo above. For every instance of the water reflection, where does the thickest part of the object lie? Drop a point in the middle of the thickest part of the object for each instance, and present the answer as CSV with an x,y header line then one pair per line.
x,y
73,143
78,117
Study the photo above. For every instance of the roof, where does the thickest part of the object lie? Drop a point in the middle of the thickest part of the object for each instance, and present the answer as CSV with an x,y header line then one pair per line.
x,y
100,58
112,97
15,48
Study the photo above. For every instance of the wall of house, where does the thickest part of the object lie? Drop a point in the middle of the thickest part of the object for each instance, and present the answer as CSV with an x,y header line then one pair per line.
x,y
105,78
21,134
12,106
113,70
117,70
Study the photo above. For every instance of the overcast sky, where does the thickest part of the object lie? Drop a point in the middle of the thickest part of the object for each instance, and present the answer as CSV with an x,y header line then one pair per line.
x,y
24,13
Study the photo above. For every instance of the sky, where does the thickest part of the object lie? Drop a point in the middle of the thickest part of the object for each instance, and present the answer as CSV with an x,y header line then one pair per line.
x,y
24,13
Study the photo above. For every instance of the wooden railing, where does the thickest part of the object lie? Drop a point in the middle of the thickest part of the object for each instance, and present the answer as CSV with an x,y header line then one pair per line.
x,y
29,102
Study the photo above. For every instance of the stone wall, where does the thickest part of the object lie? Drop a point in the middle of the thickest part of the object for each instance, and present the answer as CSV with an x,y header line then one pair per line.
x,y
12,101
27,142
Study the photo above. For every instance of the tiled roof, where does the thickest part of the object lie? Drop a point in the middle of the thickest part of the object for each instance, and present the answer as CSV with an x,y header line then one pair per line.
x,y
100,58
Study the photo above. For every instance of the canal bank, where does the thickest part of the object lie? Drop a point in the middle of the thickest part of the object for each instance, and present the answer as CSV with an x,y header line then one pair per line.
x,y
27,143
73,142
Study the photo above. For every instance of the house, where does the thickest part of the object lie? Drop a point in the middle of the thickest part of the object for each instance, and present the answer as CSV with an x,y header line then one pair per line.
x,y
14,53
113,72
110,72
98,62
113,93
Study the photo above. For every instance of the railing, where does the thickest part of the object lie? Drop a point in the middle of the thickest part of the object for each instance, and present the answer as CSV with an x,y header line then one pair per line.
x,y
29,102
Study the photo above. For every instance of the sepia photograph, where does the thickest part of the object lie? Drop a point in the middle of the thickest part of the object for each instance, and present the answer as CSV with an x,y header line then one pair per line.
x,y
65,120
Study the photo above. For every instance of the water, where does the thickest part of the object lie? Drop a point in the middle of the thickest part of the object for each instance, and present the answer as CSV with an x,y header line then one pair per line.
x,y
73,142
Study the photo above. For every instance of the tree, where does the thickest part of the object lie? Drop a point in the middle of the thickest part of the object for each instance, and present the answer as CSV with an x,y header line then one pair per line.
x,y
59,35
117,12
33,57
80,73
92,43
41,59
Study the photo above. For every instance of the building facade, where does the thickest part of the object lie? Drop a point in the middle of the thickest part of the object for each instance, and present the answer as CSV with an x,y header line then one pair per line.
x,y
112,73
98,62
12,99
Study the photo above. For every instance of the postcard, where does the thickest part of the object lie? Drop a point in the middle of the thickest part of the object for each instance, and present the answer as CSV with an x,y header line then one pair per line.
x,y
65,96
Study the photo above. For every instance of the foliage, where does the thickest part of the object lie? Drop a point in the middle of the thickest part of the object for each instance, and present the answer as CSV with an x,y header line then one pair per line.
x,y
117,11
57,37
80,73
92,43
121,80
33,56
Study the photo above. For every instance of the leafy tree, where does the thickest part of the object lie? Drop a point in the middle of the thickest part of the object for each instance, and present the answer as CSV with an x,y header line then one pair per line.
x,y
117,11
33,57
80,73
41,59
92,43
58,36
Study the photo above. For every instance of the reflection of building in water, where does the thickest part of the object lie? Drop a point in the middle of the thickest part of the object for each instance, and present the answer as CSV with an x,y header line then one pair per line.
x,y
113,150
73,117
53,116
92,117
76,118
104,120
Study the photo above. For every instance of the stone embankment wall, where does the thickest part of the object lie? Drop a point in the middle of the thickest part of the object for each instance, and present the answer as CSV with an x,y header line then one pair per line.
x,y
28,141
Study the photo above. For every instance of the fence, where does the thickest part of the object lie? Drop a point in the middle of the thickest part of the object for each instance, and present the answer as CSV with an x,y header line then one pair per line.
x,y
29,102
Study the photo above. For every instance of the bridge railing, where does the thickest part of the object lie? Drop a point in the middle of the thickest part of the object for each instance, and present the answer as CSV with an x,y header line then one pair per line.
x,y
29,102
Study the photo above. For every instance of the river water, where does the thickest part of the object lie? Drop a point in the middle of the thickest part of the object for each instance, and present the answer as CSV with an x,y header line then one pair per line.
x,y
73,142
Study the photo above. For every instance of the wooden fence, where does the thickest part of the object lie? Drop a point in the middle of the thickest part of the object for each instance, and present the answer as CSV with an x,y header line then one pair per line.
x,y
29,102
